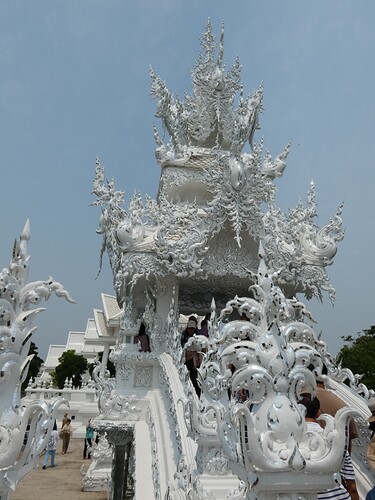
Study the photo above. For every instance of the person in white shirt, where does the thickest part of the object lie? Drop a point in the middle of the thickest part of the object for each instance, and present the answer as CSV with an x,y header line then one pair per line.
x,y
340,492
51,447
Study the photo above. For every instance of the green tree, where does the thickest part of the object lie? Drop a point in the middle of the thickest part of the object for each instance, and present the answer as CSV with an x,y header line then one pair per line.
x,y
71,366
34,366
358,354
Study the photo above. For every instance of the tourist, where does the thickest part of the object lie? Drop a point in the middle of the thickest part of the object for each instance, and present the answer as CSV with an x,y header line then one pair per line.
x,y
66,433
88,440
143,339
51,447
330,403
347,471
204,325
190,330
64,420
192,356
371,446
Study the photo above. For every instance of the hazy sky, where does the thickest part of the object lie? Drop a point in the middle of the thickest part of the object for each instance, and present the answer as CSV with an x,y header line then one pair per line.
x,y
74,85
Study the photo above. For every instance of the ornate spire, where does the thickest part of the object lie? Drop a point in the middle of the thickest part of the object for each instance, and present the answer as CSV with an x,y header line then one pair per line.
x,y
215,200
208,118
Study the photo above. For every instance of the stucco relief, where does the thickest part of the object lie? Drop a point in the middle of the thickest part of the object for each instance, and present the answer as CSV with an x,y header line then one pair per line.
x,y
143,376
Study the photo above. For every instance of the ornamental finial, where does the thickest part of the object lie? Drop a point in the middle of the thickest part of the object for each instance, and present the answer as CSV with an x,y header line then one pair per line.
x,y
207,118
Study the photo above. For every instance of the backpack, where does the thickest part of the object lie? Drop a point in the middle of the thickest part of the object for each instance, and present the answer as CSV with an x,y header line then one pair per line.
x,y
51,441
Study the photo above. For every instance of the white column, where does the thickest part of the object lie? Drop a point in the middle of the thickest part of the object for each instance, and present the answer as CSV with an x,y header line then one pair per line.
x,y
104,359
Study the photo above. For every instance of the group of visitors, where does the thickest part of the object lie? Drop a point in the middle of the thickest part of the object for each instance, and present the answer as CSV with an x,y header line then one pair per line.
x,y
64,434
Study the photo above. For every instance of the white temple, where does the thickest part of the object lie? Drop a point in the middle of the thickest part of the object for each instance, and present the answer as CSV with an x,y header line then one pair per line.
x,y
214,240
99,337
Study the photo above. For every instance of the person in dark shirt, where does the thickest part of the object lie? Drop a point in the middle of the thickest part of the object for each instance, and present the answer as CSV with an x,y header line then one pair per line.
x,y
204,325
192,357
143,339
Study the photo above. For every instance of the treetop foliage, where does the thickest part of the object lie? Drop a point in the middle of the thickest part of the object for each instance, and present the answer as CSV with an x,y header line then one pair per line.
x,y
71,366
358,354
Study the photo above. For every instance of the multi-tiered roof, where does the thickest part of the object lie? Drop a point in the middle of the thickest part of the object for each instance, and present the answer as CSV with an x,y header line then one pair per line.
x,y
216,200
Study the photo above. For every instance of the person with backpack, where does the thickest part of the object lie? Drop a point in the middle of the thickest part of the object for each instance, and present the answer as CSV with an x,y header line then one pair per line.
x,y
51,447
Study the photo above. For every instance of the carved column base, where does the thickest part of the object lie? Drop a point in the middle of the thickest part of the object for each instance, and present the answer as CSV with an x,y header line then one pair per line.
x,y
120,436
98,475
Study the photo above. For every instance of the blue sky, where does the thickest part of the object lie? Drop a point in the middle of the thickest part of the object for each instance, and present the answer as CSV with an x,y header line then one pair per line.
x,y
74,85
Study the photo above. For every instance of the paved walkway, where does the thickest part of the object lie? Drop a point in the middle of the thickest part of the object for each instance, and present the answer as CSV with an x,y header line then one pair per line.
x,y
62,482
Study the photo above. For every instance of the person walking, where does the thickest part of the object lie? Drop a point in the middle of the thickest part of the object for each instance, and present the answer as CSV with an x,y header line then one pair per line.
x,y
88,440
51,448
66,433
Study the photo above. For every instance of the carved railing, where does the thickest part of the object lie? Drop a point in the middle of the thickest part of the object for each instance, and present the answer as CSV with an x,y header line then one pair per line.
x,y
252,376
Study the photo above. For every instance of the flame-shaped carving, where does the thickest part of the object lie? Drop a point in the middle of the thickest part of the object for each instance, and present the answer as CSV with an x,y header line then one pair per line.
x,y
24,432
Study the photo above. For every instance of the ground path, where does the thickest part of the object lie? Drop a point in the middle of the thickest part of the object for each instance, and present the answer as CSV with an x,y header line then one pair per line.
x,y
62,482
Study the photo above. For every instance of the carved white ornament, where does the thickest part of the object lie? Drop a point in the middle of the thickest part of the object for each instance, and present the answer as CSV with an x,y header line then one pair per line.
x,y
211,191
24,432
264,431
215,229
